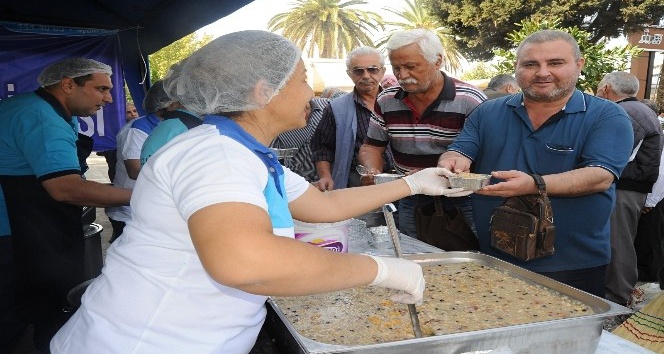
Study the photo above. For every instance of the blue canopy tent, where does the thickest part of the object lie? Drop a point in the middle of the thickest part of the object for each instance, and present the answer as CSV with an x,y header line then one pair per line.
x,y
142,27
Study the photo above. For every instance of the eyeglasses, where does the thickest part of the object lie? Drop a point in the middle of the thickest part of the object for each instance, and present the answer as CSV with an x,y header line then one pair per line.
x,y
373,70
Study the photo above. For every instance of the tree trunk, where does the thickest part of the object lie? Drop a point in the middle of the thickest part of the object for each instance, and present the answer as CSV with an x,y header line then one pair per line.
x,y
659,98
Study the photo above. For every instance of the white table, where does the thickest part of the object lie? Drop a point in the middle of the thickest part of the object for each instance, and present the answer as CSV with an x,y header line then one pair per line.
x,y
610,343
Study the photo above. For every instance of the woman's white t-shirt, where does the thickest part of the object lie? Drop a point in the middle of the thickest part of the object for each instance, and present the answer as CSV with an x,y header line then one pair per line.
x,y
153,295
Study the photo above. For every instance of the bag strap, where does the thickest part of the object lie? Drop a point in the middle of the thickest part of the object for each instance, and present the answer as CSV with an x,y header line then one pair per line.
x,y
539,182
438,203
541,186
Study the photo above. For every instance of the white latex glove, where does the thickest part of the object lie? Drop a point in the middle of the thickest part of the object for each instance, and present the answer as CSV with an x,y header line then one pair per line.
x,y
400,274
433,181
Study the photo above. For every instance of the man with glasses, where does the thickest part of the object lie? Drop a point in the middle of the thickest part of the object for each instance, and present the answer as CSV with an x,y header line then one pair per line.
x,y
420,119
343,128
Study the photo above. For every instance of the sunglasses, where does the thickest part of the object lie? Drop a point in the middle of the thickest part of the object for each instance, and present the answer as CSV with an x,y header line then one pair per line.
x,y
373,70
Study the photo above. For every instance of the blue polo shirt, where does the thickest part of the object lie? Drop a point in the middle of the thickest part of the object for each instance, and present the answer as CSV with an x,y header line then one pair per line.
x,y
26,122
589,131
36,139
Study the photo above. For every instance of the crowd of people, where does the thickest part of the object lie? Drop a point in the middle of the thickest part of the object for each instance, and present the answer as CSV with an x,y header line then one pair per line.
x,y
210,232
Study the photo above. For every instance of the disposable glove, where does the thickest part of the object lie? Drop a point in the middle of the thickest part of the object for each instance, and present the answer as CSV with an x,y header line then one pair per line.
x,y
400,274
433,181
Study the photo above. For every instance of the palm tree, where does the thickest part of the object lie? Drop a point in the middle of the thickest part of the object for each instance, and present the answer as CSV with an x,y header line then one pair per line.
x,y
416,16
331,27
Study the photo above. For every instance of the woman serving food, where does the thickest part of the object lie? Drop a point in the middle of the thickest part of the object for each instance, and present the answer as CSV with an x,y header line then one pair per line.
x,y
212,229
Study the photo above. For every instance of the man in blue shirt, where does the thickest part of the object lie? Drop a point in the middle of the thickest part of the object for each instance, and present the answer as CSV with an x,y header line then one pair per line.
x,y
579,144
40,176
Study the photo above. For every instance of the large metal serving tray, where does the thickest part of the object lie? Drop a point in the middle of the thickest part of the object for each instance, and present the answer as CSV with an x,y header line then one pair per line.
x,y
570,336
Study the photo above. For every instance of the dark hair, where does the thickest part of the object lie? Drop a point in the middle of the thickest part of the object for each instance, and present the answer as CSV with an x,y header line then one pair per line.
x,y
81,80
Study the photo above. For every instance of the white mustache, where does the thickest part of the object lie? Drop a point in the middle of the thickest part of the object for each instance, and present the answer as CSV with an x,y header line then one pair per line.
x,y
407,81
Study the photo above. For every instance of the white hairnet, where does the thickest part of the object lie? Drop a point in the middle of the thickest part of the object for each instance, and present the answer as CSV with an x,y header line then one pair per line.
x,y
156,98
72,68
236,72
171,77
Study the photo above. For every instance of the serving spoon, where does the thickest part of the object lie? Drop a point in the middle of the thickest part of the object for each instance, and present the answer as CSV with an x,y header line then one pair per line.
x,y
388,210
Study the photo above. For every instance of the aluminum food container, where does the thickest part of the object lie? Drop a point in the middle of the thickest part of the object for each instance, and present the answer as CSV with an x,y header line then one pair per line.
x,y
284,153
470,184
386,177
570,335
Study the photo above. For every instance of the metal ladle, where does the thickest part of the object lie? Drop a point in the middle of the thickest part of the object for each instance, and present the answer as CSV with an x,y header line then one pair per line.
x,y
388,209
363,171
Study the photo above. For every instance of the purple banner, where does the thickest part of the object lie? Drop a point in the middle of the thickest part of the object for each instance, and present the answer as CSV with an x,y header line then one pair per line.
x,y
23,55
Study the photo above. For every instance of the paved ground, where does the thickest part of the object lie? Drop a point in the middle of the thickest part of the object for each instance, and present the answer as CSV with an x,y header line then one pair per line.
x,y
98,172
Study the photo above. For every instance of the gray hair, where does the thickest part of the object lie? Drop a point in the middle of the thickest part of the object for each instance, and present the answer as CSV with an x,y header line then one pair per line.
x,y
72,68
427,41
622,83
364,50
500,80
651,104
329,91
337,94
550,36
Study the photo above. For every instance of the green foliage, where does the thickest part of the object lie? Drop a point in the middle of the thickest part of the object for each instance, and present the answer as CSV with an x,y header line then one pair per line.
x,y
415,15
483,25
330,27
162,60
127,93
600,59
480,71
